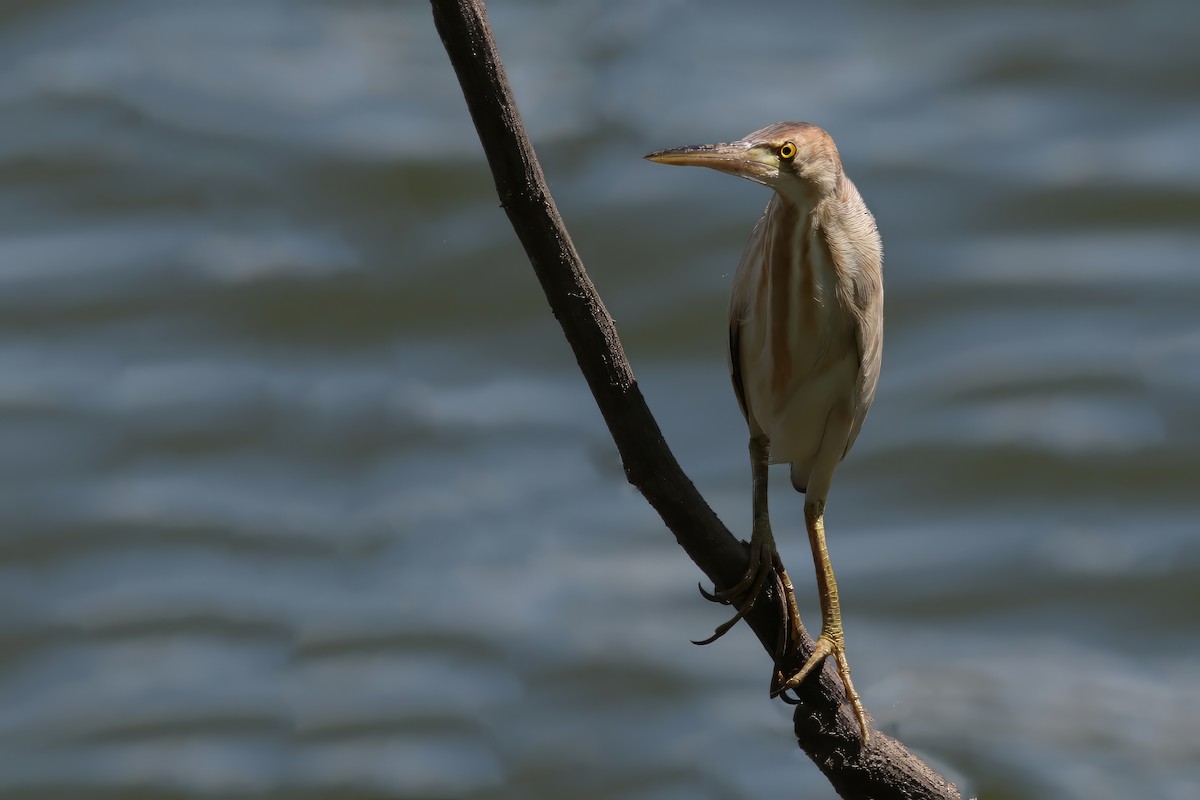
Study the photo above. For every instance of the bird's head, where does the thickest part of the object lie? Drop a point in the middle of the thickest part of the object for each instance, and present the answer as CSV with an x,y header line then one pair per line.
x,y
790,157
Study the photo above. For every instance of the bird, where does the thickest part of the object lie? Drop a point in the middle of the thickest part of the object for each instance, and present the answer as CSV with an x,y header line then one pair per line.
x,y
805,347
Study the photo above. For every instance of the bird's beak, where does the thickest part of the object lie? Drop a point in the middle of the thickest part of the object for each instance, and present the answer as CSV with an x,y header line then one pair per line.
x,y
736,158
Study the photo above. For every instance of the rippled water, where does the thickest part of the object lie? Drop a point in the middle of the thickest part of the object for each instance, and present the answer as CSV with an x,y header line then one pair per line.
x,y
304,496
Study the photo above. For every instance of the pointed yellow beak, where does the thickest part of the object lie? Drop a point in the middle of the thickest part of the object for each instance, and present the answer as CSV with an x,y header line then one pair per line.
x,y
736,158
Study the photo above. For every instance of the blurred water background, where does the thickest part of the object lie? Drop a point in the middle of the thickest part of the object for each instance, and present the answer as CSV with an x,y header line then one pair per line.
x,y
303,495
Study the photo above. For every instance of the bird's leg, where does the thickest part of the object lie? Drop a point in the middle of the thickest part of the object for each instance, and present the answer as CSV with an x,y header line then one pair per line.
x,y
832,641
764,558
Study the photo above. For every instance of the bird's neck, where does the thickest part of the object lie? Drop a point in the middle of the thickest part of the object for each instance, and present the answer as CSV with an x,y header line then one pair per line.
x,y
810,191
798,264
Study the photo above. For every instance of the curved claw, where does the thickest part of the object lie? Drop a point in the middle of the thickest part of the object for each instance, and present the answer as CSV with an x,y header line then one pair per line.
x,y
750,586
785,697
724,627
715,596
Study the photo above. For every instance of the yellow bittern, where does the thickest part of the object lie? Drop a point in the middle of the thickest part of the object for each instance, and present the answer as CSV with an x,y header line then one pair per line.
x,y
805,338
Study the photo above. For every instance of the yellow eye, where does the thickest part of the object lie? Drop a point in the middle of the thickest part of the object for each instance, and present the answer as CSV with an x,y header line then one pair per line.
x,y
787,151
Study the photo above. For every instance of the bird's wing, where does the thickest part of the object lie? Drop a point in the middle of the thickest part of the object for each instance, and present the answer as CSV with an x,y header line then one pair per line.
x,y
739,308
869,335
735,364
863,250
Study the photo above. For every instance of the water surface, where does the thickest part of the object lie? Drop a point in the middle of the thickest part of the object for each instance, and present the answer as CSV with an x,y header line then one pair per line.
x,y
304,495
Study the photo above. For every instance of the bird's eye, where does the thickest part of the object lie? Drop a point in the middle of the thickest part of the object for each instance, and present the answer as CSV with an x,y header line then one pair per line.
x,y
787,151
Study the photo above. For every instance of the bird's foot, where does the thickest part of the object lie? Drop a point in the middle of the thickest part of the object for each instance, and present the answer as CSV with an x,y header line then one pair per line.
x,y
827,644
764,564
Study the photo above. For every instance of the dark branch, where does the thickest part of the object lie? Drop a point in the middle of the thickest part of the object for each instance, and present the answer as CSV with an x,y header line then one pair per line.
x,y
826,731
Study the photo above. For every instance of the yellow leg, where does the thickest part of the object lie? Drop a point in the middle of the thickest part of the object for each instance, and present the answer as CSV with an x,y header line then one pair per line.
x,y
764,558
832,641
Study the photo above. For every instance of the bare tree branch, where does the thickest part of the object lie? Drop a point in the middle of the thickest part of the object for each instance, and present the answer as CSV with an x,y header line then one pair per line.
x,y
826,731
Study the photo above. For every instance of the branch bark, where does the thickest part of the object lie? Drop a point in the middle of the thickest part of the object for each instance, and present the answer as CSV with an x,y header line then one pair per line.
x,y
825,729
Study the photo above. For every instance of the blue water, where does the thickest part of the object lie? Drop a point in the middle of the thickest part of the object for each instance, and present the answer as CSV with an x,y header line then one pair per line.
x,y
305,497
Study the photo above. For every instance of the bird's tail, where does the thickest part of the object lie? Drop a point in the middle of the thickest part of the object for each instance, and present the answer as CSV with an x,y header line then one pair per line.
x,y
800,475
